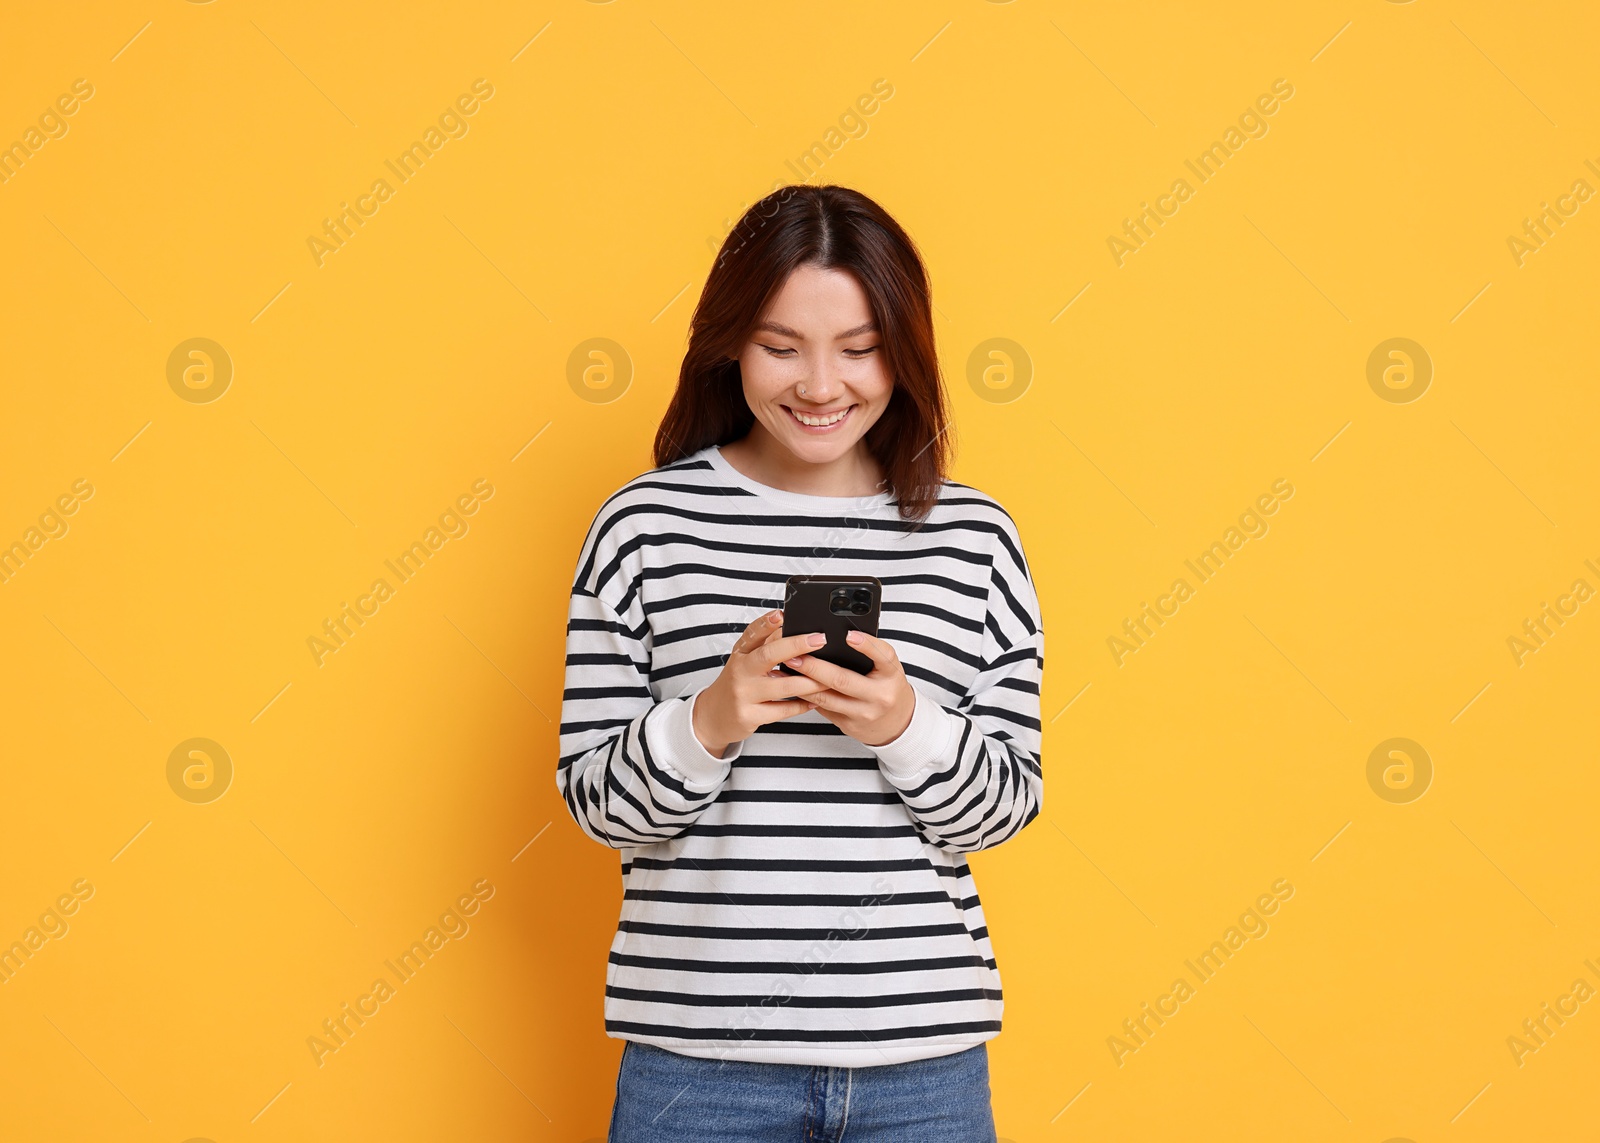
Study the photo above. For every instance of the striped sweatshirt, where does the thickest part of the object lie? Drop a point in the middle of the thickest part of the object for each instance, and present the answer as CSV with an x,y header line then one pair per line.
x,y
805,898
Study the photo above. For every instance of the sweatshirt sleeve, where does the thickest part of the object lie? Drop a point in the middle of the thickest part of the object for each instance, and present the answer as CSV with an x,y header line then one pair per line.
x,y
970,774
631,770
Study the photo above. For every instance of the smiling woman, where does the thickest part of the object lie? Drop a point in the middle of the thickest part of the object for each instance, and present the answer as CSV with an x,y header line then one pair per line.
x,y
826,311
813,393
801,942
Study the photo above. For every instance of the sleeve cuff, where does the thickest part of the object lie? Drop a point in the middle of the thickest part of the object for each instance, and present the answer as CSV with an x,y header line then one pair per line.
x,y
685,753
922,743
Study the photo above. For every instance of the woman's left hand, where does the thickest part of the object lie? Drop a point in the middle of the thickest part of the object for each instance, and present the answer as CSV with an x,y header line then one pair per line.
x,y
874,708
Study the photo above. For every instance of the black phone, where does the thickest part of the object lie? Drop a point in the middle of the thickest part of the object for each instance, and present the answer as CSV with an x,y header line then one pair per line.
x,y
834,605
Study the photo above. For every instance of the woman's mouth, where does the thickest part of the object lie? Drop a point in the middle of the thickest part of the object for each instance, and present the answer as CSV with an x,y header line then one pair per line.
x,y
820,422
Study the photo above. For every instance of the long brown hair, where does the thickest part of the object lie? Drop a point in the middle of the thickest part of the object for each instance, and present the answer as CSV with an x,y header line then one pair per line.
x,y
831,227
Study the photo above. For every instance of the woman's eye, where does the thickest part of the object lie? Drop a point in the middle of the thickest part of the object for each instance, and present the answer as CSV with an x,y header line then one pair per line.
x,y
778,351
858,353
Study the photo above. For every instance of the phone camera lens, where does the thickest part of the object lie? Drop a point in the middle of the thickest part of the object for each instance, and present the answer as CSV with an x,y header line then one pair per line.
x,y
864,596
859,608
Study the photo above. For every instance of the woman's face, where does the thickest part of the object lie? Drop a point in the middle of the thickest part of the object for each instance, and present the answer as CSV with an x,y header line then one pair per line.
x,y
813,371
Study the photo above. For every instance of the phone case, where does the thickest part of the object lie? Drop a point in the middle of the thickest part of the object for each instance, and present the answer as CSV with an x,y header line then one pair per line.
x,y
807,609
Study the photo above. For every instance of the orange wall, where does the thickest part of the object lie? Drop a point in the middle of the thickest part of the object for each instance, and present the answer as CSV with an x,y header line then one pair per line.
x,y
422,365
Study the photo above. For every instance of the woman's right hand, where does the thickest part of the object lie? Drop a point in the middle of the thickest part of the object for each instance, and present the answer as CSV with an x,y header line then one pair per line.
x,y
751,692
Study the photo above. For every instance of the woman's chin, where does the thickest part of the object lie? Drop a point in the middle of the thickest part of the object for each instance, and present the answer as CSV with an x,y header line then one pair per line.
x,y
819,450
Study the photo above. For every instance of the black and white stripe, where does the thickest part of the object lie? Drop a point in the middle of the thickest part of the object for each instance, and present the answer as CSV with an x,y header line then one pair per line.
x,y
804,899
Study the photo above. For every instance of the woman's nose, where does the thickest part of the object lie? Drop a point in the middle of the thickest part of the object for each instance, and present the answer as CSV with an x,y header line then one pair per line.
x,y
821,385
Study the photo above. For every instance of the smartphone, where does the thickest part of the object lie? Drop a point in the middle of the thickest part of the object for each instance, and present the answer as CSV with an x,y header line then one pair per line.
x,y
834,605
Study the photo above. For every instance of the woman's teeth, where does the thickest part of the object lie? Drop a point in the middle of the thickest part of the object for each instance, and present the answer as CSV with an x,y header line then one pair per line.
x,y
819,422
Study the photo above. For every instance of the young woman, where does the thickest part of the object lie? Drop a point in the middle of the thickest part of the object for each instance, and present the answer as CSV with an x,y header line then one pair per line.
x,y
801,953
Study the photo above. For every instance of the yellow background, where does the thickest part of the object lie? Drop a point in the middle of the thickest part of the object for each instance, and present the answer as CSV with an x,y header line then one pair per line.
x,y
585,201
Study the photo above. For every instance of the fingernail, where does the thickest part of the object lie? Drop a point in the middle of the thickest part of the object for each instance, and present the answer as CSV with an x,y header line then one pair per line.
x,y
853,638
794,662
775,617
816,638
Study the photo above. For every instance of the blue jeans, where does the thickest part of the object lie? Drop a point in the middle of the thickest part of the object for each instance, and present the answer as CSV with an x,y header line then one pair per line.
x,y
663,1096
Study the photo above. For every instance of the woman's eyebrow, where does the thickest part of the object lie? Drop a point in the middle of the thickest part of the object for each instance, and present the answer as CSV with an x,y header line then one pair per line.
x,y
778,327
